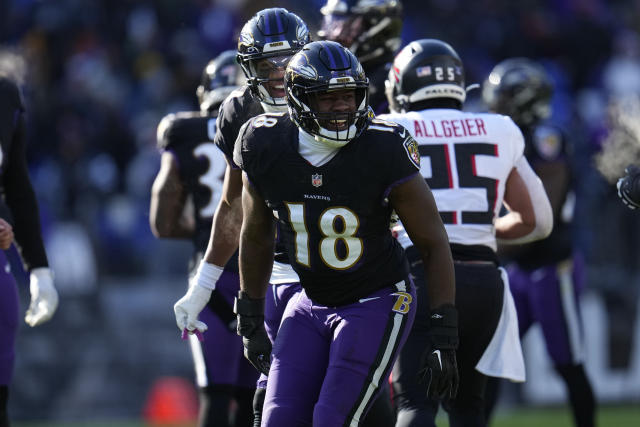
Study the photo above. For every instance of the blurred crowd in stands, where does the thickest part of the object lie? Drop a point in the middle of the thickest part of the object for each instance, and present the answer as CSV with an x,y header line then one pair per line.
x,y
100,74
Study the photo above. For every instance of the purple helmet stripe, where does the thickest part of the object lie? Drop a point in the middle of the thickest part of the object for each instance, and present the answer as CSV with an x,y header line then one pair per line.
x,y
279,23
267,23
273,27
332,60
343,56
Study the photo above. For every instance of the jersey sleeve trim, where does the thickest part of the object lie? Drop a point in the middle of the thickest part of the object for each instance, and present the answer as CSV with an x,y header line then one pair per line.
x,y
385,197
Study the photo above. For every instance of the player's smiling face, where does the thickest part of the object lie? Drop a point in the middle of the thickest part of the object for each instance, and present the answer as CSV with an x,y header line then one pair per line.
x,y
273,69
336,101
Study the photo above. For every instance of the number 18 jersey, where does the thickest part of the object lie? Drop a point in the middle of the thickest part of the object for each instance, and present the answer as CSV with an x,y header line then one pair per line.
x,y
466,159
335,217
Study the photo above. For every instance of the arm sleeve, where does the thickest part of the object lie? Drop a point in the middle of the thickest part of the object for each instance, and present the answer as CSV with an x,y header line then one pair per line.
x,y
21,200
517,141
540,202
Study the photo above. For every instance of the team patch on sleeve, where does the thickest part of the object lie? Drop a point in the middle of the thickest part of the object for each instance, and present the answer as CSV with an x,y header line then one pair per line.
x,y
548,142
411,147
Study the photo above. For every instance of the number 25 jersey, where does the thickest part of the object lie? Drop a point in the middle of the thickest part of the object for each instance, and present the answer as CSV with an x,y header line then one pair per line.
x,y
466,160
335,217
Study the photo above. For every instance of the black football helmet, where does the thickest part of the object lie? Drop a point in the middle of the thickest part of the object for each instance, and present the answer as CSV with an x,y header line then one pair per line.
x,y
220,77
274,34
425,69
519,88
369,28
321,67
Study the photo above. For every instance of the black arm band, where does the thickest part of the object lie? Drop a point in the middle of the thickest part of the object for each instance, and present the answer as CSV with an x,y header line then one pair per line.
x,y
246,306
443,327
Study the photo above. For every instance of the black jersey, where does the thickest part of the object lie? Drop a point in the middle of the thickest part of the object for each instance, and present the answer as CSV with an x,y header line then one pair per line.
x,y
201,166
334,218
546,143
239,107
21,207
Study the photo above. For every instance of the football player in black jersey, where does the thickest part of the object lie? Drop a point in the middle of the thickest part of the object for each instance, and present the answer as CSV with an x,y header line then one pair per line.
x,y
191,174
18,207
266,43
546,276
371,30
330,175
629,187
473,163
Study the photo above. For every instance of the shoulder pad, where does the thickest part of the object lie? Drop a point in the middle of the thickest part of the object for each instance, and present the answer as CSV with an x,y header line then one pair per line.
x,y
378,124
266,120
184,126
259,141
162,133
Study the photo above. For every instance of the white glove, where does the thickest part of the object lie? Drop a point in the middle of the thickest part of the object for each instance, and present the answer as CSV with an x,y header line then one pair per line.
x,y
44,297
189,307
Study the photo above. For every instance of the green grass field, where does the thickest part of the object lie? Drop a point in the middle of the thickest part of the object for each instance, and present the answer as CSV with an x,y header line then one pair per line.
x,y
608,416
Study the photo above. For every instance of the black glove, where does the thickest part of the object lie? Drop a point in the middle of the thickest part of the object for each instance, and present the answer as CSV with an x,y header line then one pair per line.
x,y
629,187
438,366
257,345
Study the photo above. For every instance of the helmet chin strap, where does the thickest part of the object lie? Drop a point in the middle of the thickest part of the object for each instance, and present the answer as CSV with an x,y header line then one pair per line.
x,y
324,135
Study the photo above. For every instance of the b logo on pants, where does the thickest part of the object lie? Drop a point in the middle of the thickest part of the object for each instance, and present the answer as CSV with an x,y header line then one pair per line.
x,y
403,303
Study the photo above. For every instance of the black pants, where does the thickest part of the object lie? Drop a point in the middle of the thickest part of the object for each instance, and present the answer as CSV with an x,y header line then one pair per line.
x,y
479,299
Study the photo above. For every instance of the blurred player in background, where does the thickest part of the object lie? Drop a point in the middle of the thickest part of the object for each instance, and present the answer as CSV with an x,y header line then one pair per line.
x,y
183,200
473,164
371,30
18,207
266,43
546,276
330,174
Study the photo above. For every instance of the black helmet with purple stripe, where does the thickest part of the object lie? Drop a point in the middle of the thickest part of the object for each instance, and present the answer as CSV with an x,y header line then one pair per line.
x,y
267,41
220,77
321,67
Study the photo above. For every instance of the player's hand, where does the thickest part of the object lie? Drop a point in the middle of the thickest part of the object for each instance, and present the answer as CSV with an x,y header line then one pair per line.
x,y
44,297
438,367
629,187
188,308
6,234
439,371
257,345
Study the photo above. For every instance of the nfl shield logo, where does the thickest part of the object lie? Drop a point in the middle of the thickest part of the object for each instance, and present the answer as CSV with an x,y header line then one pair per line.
x,y
316,180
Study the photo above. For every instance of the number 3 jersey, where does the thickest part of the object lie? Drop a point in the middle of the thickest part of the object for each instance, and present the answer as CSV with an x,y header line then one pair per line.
x,y
201,165
466,160
334,218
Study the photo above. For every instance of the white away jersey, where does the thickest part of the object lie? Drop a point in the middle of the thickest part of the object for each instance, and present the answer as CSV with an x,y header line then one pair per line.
x,y
466,159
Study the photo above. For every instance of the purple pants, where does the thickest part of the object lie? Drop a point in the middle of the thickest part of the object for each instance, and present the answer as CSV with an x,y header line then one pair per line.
x,y
549,296
276,301
328,363
9,318
222,350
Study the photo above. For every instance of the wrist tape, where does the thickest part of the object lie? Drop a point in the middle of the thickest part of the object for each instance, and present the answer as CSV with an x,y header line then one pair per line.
x,y
207,275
